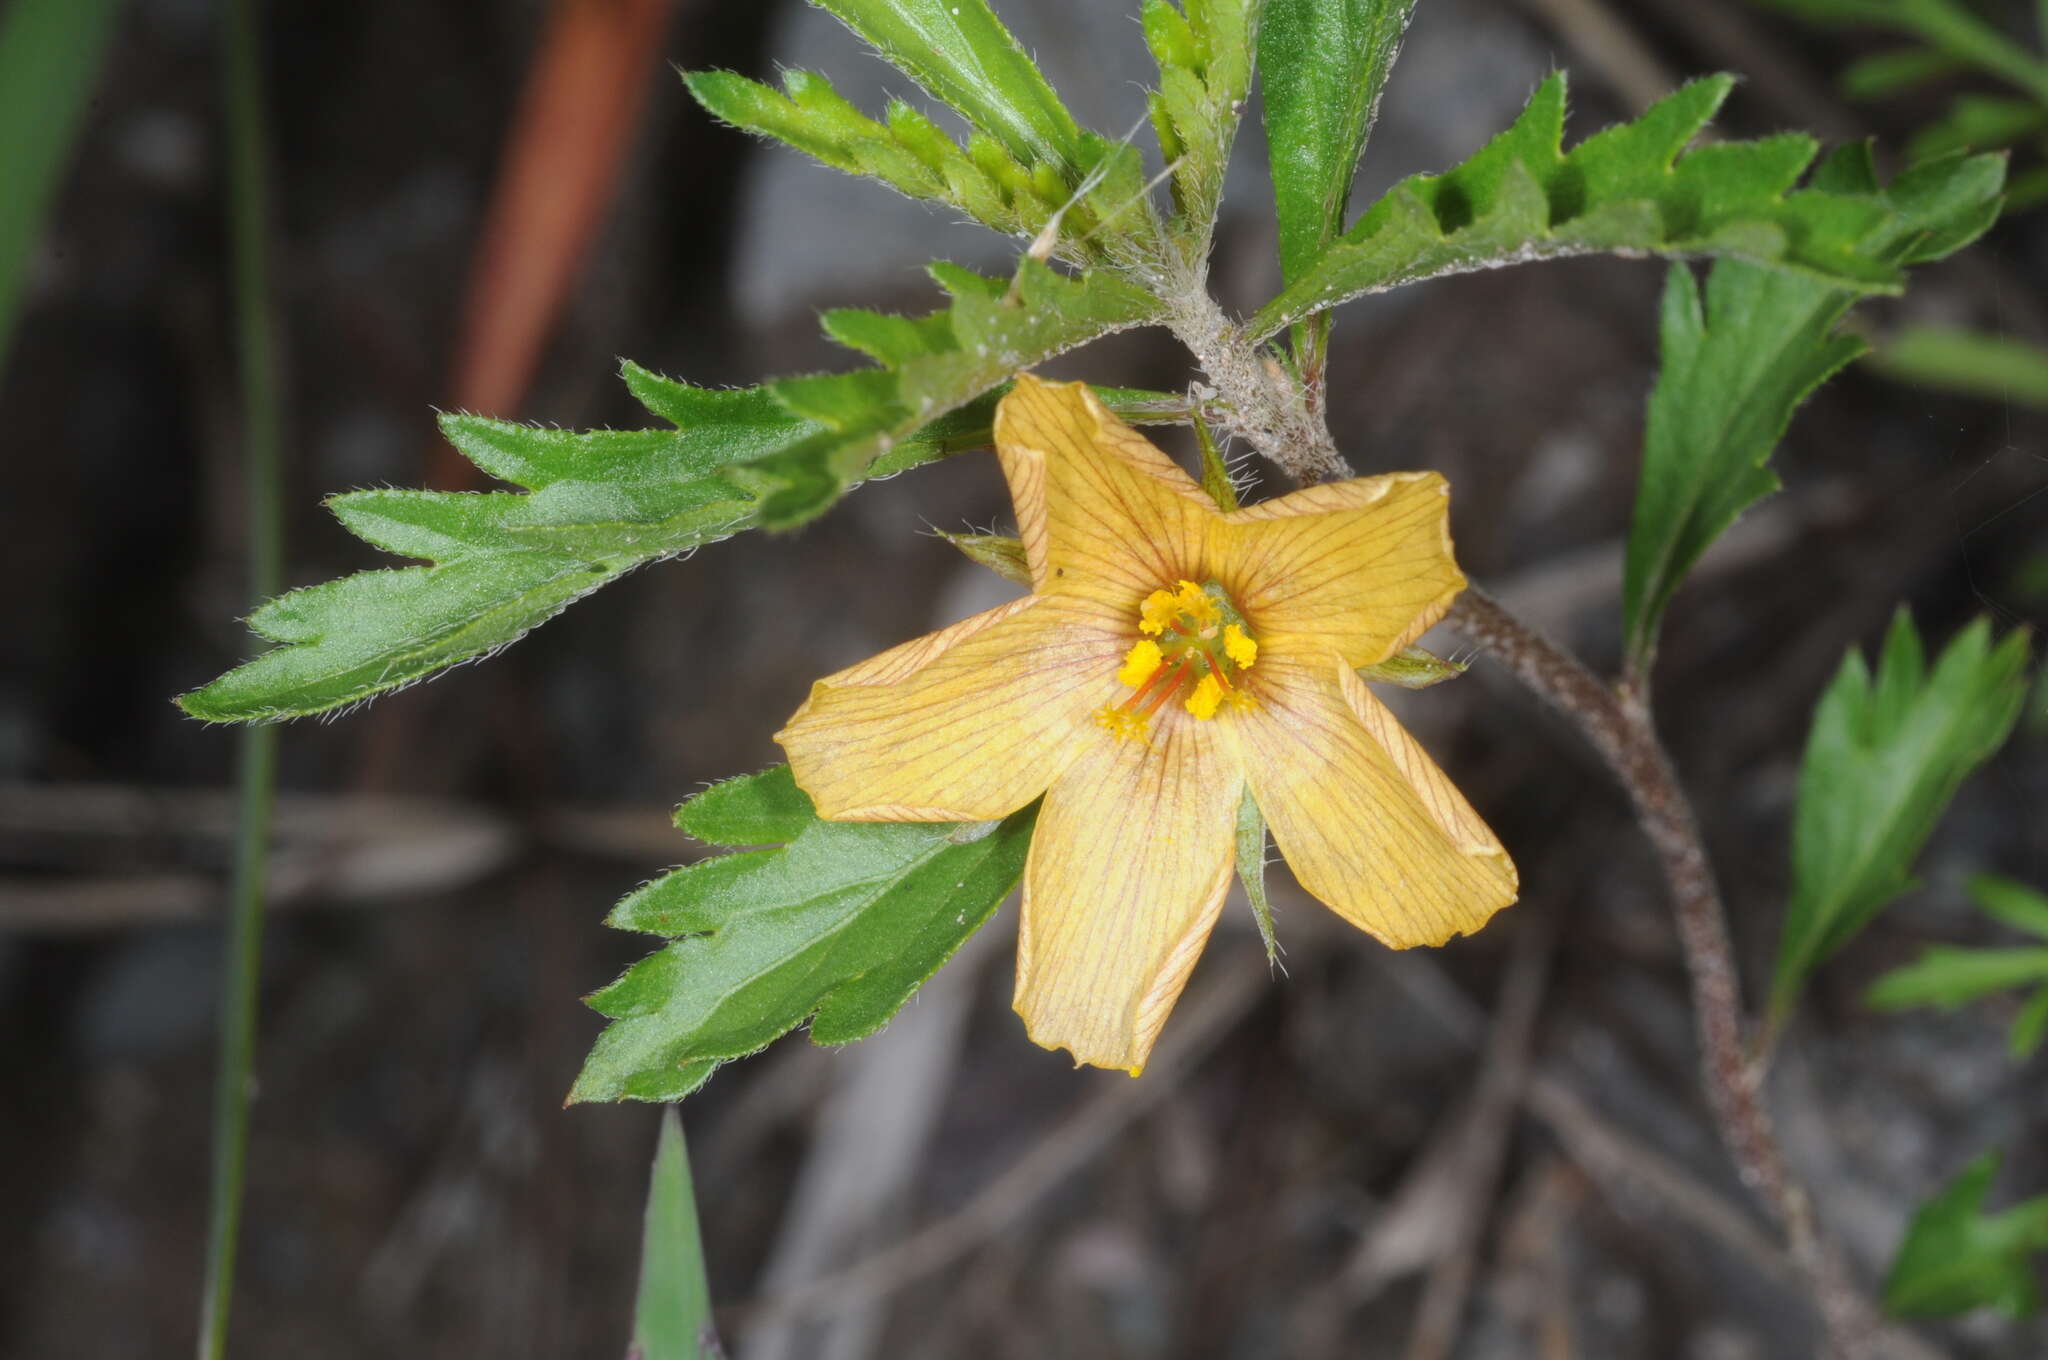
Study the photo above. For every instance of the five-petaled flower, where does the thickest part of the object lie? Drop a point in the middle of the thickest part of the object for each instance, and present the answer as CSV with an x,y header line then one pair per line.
x,y
1169,658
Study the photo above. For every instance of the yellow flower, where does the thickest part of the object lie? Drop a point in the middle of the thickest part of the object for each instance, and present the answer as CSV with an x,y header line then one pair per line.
x,y
1142,591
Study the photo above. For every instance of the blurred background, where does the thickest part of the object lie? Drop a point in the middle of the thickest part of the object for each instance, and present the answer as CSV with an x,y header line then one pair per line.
x,y
483,205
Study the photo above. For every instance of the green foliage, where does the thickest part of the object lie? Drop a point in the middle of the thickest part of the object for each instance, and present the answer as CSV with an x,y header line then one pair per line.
x,y
1737,363
1948,29
985,179
1884,758
1204,54
1948,977
672,1308
1629,189
1251,871
961,53
603,502
989,331
1956,1257
1323,65
838,926
1969,362
50,55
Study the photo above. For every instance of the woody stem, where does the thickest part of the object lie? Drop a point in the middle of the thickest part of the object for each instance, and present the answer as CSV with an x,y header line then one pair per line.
x,y
1620,729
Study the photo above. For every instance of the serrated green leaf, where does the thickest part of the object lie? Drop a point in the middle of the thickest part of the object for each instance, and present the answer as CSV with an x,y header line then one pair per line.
x,y
1948,977
1628,189
1737,363
600,503
754,809
961,53
1251,871
909,152
672,1307
1884,758
1969,362
1734,367
991,331
1204,54
1956,1257
838,927
2017,905
1322,67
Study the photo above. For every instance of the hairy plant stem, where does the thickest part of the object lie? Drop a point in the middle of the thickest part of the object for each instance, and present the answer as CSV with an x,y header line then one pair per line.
x,y
1619,726
1267,408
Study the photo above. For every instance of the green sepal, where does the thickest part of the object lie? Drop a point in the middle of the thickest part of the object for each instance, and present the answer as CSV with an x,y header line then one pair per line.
x,y
1000,553
1216,478
1251,871
1413,668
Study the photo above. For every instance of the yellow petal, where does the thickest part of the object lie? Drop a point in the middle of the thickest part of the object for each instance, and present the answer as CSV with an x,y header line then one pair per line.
x,y
1128,869
1102,513
1365,818
1364,566
966,724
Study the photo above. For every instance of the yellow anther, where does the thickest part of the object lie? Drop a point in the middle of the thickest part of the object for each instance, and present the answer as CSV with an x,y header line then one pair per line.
x,y
1121,723
1241,701
1142,664
1206,699
1198,605
1157,611
1238,647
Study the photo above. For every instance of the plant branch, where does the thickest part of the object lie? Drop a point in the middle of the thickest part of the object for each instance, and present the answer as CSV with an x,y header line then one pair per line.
x,y
1267,408
1620,729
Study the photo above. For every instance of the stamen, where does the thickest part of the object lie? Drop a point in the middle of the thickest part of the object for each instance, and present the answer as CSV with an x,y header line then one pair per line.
x,y
1142,664
1239,647
1208,696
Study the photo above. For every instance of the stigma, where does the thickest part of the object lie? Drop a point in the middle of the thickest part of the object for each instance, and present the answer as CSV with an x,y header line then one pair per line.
x,y
1194,646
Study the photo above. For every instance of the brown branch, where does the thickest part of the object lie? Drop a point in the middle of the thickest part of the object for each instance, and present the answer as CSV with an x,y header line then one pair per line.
x,y
1621,731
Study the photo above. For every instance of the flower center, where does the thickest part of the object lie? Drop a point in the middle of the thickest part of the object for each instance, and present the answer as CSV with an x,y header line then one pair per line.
x,y
1194,646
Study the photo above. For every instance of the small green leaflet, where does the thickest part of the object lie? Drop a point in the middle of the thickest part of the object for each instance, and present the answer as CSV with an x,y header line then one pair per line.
x,y
603,502
1322,67
990,330
672,1309
1631,189
1737,363
1884,758
1949,977
838,926
960,52
1204,54
914,155
1956,1257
